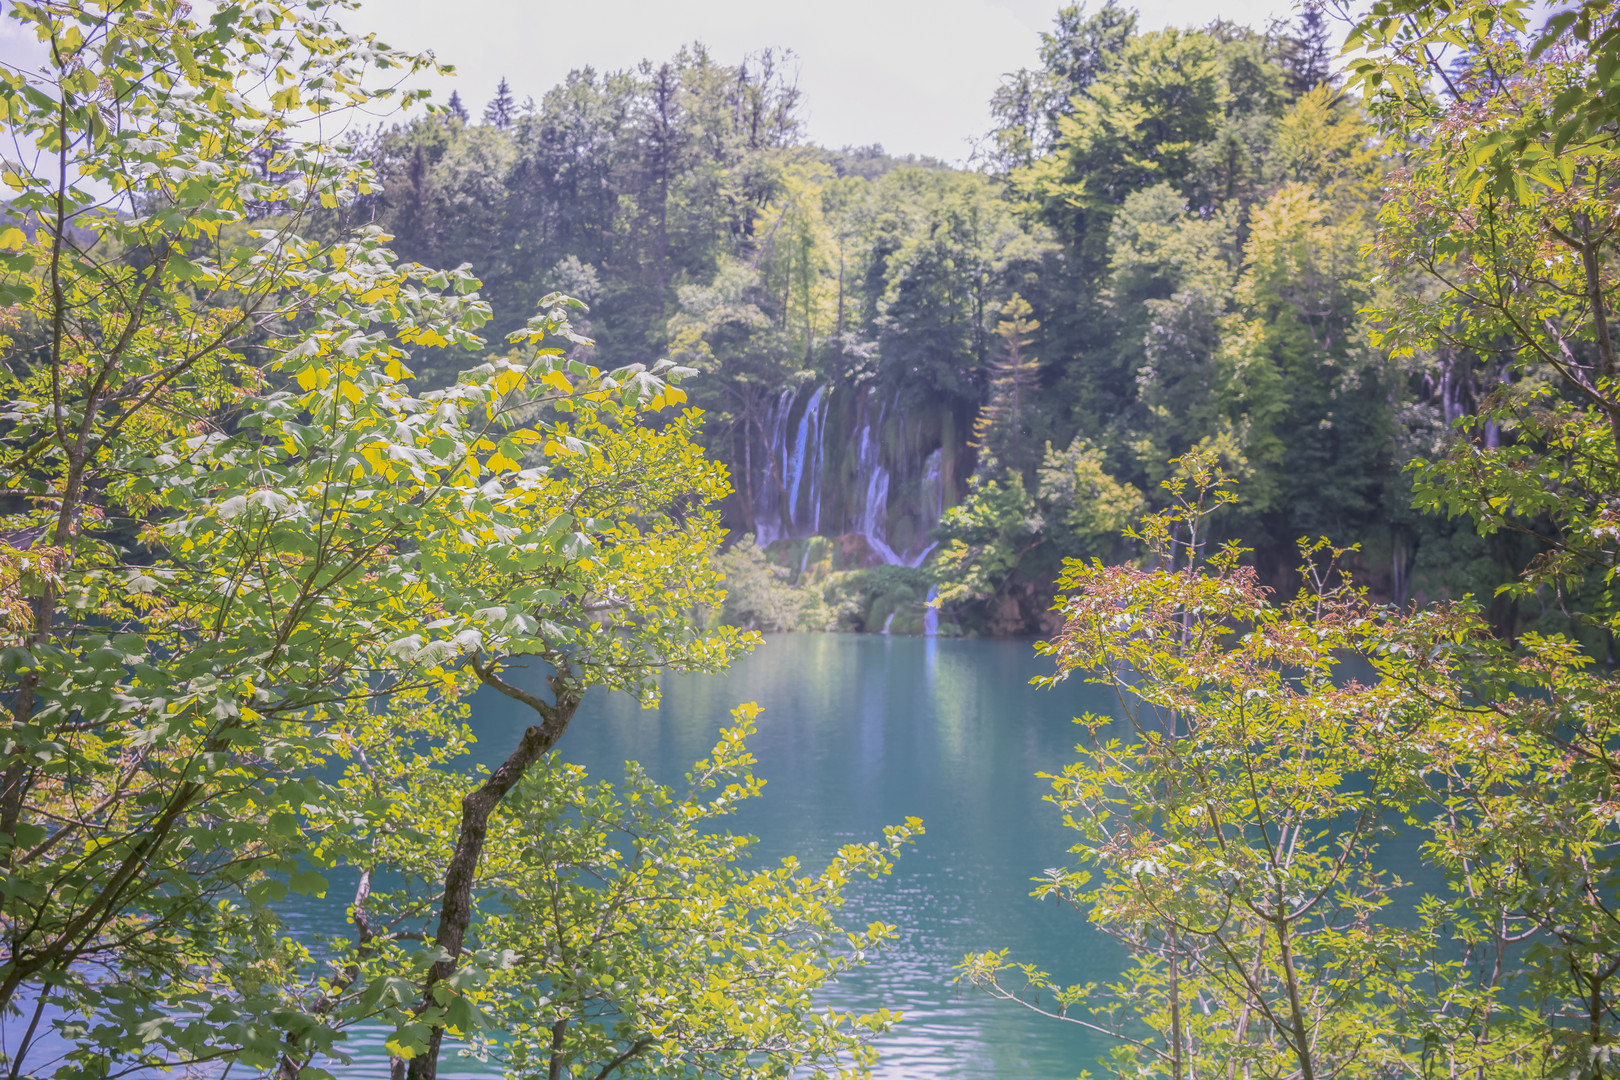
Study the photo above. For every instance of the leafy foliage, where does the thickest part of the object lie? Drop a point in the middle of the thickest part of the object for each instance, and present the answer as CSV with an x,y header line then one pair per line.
x,y
1234,830
631,938
760,595
252,571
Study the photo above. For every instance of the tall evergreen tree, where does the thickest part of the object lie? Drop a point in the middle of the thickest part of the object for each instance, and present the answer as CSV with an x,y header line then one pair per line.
x,y
1307,53
412,198
457,108
1014,377
501,109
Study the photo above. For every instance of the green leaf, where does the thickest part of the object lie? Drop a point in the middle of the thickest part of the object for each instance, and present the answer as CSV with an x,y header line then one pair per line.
x,y
307,883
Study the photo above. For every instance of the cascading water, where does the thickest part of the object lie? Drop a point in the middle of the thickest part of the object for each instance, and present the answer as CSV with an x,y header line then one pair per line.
x,y
806,448
871,519
875,482
933,486
770,517
793,501
818,433
933,501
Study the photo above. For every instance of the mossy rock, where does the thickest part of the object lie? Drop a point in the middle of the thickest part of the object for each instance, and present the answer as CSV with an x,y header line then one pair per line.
x,y
908,620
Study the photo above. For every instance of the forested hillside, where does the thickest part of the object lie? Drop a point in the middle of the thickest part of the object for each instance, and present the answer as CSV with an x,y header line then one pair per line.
x,y
283,510
1162,244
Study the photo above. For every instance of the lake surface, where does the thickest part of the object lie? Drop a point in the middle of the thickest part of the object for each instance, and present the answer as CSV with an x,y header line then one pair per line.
x,y
860,731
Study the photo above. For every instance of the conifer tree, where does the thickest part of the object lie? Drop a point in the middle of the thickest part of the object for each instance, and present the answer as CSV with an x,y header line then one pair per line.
x,y
1013,378
501,109
412,199
457,108
1307,53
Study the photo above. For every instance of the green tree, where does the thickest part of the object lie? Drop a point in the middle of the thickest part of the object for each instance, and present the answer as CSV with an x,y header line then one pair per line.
x,y
1230,826
243,554
939,263
501,109
623,934
648,947
1014,381
1521,281
985,537
1029,105
760,595
1137,126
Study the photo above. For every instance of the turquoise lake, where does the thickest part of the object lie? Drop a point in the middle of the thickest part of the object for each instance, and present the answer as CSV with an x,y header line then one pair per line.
x,y
860,731
857,732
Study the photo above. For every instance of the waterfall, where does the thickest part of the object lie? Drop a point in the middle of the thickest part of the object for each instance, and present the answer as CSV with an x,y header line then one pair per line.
x,y
818,420
806,449
933,501
933,486
917,559
871,520
770,520
792,471
792,500
877,487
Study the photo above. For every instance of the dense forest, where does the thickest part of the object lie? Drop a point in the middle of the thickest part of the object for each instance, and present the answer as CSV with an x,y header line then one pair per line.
x,y
1276,386
1182,218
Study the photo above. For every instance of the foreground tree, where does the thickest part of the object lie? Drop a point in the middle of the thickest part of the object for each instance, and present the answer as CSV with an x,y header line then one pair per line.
x,y
1507,213
648,947
1234,826
239,551
1496,756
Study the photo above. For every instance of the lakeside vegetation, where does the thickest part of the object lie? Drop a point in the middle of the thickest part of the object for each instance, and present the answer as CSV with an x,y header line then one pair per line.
x,y
305,440
1183,217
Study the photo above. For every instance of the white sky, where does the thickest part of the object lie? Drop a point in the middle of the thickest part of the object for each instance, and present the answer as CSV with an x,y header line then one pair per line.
x,y
914,75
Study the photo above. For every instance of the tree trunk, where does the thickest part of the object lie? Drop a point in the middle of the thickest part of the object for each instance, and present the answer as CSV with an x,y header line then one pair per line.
x,y
1302,1046
455,914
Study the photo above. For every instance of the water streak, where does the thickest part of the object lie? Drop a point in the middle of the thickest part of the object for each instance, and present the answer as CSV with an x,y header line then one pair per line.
x,y
768,515
809,429
933,487
871,520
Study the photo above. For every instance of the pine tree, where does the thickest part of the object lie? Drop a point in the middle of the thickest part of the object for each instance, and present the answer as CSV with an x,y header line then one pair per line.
x,y
457,109
1013,379
501,109
1307,53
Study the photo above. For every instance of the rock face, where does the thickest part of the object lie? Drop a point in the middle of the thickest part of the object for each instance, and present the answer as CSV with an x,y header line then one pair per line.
x,y
847,460
1021,609
855,552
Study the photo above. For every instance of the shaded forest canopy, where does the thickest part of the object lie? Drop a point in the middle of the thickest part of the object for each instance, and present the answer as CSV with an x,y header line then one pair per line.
x,y
1183,217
